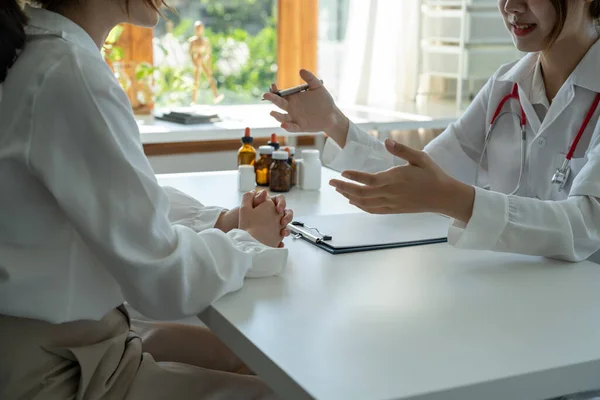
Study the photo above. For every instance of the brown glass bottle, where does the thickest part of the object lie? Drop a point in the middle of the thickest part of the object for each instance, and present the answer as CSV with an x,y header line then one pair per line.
x,y
247,153
292,161
273,142
280,179
263,165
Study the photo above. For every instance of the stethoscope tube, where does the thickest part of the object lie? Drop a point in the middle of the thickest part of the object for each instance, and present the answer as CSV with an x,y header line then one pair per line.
x,y
561,176
522,122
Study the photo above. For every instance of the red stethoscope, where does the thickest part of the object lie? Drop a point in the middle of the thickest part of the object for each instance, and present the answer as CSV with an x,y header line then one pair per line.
x,y
561,176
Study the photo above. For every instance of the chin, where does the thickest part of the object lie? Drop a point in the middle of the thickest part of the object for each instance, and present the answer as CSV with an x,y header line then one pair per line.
x,y
146,21
141,14
527,47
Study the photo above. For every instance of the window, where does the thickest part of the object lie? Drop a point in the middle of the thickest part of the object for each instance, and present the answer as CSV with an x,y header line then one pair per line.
x,y
253,42
243,38
333,21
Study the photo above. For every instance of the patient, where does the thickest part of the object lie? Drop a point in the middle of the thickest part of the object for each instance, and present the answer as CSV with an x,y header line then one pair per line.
x,y
84,227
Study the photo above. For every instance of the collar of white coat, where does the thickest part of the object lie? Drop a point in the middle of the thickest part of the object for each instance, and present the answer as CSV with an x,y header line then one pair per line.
x,y
43,22
585,74
538,89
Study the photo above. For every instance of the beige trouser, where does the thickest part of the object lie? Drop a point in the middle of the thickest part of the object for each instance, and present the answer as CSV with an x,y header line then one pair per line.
x,y
89,360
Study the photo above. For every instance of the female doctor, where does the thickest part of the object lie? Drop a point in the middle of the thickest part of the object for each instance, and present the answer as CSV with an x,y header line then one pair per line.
x,y
84,227
531,137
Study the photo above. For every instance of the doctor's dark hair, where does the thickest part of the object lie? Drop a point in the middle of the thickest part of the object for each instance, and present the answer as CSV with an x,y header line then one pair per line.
x,y
12,27
561,7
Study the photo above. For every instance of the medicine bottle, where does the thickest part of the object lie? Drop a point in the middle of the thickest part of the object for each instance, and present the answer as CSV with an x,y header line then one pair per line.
x,y
246,153
262,166
280,179
246,178
310,170
273,142
292,161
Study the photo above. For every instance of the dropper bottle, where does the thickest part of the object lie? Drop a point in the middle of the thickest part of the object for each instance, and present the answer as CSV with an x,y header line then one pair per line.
x,y
247,153
274,143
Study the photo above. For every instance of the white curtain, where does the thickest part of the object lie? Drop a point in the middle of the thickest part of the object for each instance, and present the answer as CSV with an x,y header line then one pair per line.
x,y
380,56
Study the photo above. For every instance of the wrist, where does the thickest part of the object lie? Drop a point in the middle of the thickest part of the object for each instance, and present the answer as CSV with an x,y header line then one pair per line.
x,y
227,220
338,127
457,200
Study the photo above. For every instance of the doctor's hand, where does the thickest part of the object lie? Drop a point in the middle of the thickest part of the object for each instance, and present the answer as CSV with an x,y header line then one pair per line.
x,y
419,186
262,222
311,111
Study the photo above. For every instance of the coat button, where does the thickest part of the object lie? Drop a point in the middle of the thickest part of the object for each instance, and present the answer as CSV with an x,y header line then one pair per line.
x,y
541,141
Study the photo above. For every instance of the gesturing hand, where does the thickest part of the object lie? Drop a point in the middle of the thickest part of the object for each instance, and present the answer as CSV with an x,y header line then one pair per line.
x,y
311,111
419,186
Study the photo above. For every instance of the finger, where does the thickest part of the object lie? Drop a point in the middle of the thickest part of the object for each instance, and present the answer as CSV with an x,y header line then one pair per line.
x,y
412,156
357,190
280,203
285,233
311,79
259,198
281,117
291,127
376,202
248,200
288,217
376,180
277,100
274,88
379,210
281,245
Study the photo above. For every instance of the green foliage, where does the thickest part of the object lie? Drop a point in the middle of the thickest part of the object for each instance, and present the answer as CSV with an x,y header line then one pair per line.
x,y
115,34
183,29
172,85
245,25
110,51
258,72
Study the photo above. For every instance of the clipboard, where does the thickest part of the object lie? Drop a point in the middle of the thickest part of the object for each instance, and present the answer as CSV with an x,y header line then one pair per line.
x,y
352,233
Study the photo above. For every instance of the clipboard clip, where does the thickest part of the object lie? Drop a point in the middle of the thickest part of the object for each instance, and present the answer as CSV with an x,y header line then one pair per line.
x,y
300,230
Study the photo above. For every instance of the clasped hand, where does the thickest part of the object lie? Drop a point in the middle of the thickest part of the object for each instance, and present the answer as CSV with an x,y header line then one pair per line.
x,y
262,216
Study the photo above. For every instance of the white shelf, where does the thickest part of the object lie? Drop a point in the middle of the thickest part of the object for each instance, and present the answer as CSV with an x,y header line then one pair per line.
x,y
478,63
478,27
464,40
460,3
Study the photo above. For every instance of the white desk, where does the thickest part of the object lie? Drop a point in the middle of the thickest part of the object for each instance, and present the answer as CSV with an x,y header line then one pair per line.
x,y
426,323
236,118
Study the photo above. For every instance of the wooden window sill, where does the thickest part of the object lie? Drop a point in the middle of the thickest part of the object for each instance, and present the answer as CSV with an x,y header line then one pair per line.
x,y
213,146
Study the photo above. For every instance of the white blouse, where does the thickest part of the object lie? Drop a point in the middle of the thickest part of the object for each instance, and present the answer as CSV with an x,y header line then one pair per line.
x,y
538,220
84,225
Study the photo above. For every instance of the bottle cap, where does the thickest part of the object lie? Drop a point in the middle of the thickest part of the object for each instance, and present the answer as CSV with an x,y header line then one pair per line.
x,y
247,139
310,154
273,142
265,149
280,155
292,150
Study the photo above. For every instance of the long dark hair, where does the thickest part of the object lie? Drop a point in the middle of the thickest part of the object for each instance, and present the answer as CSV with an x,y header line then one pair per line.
x,y
12,34
595,9
561,7
12,28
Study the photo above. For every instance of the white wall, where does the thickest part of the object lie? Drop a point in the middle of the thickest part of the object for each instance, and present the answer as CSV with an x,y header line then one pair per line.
x,y
197,162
